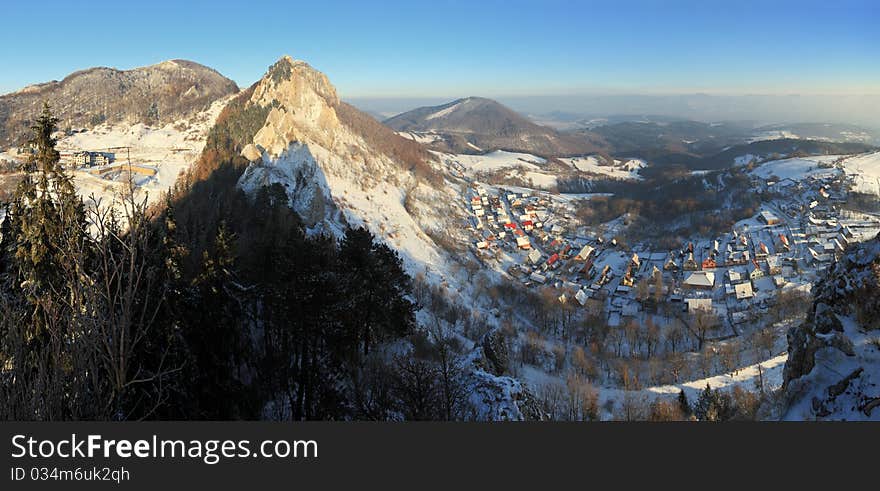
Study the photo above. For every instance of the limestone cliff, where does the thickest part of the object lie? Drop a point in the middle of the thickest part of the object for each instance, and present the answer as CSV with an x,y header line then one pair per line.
x,y
833,368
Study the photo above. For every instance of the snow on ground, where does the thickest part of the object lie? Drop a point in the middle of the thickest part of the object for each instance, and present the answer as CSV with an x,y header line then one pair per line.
x,y
499,159
9,155
622,169
167,150
610,398
527,169
832,366
745,159
444,112
565,198
746,377
866,172
797,168
420,137
540,180
772,135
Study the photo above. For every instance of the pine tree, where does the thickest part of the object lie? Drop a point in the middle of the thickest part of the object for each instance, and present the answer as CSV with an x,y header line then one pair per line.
x,y
215,334
45,248
379,289
48,224
714,405
703,408
683,403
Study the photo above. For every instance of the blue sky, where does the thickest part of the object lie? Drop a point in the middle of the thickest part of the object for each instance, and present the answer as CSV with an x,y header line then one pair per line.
x,y
455,48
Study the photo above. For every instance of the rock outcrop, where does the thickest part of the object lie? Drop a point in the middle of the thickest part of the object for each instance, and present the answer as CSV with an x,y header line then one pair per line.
x,y
833,365
496,351
340,167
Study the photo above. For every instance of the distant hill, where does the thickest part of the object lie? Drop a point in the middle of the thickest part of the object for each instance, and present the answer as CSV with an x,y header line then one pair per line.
x,y
156,94
783,148
819,131
697,145
683,137
477,124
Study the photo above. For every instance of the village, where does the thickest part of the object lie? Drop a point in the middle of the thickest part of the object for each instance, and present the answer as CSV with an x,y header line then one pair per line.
x,y
801,229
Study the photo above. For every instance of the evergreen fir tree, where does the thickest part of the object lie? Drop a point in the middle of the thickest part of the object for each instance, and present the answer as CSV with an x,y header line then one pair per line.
x,y
216,335
714,405
683,403
48,224
378,290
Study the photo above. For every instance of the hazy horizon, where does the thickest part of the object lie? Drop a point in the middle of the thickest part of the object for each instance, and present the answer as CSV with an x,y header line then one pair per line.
x,y
700,60
852,109
413,49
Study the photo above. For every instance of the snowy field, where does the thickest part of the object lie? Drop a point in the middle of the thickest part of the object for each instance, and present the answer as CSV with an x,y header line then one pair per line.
x,y
169,150
611,398
528,169
444,112
745,159
866,171
747,377
797,168
772,135
622,169
424,138
500,159
534,171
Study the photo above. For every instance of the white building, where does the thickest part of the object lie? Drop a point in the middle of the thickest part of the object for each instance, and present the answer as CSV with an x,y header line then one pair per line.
x,y
700,279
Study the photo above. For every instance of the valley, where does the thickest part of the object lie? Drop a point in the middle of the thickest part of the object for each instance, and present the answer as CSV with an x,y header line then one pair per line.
x,y
716,308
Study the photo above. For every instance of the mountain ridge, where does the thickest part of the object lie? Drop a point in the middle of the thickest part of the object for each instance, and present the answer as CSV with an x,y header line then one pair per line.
x,y
156,94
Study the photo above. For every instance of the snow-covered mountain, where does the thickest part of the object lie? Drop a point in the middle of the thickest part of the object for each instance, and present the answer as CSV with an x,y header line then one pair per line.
x,y
155,95
833,367
477,124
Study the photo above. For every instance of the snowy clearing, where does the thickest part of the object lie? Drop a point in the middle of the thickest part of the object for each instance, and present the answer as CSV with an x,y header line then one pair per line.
x,y
622,169
798,168
499,159
424,138
865,170
168,151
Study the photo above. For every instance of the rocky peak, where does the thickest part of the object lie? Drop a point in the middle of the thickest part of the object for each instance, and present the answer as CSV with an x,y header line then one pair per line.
x,y
303,106
339,166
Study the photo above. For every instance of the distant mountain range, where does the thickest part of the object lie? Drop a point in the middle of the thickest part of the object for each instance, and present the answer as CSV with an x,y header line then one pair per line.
x,y
174,90
156,94
476,124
